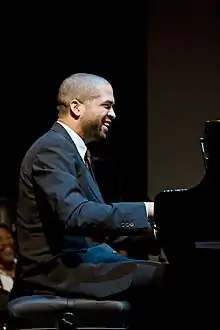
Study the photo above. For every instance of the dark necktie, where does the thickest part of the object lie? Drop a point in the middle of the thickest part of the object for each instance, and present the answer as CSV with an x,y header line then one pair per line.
x,y
87,160
88,163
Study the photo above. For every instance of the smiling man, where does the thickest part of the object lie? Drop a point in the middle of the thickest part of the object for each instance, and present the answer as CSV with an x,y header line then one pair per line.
x,y
61,215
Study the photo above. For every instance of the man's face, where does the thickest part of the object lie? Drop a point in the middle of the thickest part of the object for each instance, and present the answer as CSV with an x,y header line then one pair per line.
x,y
98,114
6,246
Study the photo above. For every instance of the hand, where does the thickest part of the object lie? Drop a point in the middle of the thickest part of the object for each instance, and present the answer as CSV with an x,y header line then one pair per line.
x,y
145,244
149,234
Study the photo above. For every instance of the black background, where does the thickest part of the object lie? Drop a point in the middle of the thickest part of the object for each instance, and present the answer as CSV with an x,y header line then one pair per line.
x,y
43,45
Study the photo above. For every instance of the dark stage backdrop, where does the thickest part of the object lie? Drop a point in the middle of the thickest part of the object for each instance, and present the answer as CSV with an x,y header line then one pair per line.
x,y
183,89
177,47
42,47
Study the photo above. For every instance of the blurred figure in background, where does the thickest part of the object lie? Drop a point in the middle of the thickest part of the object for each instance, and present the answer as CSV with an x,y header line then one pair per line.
x,y
7,263
7,258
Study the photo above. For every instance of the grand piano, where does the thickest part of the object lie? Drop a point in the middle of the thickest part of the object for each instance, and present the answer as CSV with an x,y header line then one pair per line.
x,y
188,220
188,225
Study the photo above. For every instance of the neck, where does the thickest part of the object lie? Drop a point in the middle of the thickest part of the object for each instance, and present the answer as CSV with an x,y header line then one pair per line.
x,y
74,126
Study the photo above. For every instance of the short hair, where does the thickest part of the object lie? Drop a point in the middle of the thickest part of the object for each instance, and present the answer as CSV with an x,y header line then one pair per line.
x,y
79,86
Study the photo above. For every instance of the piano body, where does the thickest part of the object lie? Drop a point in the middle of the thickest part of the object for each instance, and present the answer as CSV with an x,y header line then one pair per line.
x,y
188,220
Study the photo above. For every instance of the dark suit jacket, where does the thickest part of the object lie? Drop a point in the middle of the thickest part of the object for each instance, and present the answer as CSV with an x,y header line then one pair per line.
x,y
61,216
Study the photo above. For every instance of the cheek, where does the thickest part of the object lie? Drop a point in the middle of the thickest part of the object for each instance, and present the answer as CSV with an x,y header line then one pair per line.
x,y
95,116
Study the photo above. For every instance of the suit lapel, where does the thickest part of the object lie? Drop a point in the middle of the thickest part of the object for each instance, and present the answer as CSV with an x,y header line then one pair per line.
x,y
93,186
90,177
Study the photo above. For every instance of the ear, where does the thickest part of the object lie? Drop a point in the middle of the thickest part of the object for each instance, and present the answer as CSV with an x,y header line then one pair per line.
x,y
75,108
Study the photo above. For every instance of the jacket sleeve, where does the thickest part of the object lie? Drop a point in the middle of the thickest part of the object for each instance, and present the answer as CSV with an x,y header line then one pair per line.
x,y
55,176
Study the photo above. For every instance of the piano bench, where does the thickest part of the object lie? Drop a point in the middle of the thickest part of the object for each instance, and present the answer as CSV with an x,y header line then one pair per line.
x,y
52,312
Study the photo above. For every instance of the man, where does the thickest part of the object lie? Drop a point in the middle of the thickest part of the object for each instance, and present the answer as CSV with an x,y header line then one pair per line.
x,y
62,217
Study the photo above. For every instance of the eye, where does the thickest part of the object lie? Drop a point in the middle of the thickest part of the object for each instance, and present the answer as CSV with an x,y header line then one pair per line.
x,y
107,106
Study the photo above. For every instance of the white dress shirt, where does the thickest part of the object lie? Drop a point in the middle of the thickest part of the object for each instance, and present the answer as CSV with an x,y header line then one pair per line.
x,y
80,144
81,147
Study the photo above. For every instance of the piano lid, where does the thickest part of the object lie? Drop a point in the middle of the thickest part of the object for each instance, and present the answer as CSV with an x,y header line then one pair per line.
x,y
210,143
212,128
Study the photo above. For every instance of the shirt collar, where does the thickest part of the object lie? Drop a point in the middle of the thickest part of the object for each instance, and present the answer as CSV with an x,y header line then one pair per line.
x,y
80,144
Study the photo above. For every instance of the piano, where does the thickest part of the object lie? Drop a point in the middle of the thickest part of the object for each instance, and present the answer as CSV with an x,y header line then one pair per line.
x,y
188,220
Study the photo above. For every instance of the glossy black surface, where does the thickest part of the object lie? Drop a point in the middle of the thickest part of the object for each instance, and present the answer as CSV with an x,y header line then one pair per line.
x,y
186,216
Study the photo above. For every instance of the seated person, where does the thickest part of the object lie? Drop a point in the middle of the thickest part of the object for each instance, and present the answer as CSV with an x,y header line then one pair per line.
x,y
7,266
63,224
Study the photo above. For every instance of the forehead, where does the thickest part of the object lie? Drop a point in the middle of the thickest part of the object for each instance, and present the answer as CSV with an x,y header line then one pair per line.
x,y
105,93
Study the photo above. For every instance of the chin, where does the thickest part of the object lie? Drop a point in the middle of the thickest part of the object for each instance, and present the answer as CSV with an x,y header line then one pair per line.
x,y
9,264
100,136
97,137
104,135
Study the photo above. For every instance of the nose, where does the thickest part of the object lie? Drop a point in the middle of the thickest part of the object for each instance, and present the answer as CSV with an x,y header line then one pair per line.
x,y
111,114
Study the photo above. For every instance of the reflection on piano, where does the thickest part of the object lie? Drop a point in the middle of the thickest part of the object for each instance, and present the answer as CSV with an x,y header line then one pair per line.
x,y
189,218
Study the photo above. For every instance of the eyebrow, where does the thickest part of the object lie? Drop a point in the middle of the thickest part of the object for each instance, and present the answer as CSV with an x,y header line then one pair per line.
x,y
108,102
